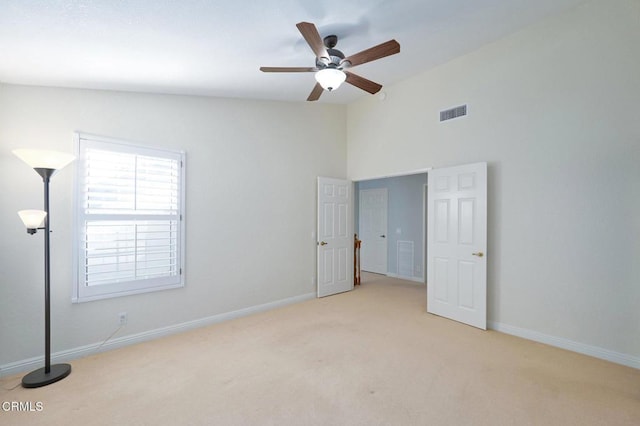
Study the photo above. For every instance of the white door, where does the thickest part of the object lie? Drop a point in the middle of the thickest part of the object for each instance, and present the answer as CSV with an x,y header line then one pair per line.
x,y
335,236
457,244
373,230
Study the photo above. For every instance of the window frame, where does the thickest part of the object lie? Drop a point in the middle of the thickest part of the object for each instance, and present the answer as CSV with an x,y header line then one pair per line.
x,y
83,293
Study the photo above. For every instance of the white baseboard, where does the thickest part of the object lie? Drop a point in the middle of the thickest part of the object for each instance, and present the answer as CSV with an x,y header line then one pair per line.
x,y
402,277
71,354
118,342
594,351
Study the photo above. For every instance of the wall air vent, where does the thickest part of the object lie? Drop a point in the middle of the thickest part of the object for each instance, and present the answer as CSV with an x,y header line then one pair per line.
x,y
405,259
453,113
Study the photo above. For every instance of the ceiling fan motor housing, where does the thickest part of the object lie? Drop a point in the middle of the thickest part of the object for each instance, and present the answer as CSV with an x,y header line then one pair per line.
x,y
335,60
336,57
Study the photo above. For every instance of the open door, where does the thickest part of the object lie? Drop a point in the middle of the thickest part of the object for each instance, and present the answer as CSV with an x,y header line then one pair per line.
x,y
335,236
457,243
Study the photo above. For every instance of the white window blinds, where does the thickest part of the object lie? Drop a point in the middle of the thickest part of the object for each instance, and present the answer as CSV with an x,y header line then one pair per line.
x,y
129,210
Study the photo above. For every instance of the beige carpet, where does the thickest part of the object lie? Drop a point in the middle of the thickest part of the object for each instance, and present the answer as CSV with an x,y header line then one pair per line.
x,y
368,357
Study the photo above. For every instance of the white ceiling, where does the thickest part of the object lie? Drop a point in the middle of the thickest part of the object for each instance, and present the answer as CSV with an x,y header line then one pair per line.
x,y
215,48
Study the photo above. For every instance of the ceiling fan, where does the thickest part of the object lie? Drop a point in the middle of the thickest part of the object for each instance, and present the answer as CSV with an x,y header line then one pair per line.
x,y
331,64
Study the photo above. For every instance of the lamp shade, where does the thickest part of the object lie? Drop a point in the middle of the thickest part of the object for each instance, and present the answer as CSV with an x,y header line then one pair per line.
x,y
44,159
330,78
32,219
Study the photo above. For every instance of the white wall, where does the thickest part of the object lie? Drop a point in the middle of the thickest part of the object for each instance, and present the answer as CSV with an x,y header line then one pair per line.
x,y
553,109
251,197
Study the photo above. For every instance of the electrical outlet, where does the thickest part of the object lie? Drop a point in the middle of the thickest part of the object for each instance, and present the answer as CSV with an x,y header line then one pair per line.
x,y
122,316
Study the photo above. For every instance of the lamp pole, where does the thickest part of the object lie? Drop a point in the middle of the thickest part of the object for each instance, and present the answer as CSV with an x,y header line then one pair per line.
x,y
46,177
48,374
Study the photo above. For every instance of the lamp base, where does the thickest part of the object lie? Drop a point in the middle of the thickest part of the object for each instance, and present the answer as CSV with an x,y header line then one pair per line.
x,y
38,378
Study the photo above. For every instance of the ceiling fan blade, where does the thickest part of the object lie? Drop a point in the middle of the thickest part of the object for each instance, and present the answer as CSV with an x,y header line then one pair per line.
x,y
362,83
388,48
315,93
288,69
312,36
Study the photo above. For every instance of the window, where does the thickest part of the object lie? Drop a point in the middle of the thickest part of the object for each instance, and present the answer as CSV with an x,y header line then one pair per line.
x,y
129,229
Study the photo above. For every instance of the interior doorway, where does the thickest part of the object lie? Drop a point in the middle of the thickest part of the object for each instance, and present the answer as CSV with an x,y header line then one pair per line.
x,y
455,211
405,231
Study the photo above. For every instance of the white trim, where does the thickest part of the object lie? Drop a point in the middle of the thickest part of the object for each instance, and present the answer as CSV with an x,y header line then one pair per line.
x,y
119,342
419,280
126,145
398,174
559,342
81,293
425,195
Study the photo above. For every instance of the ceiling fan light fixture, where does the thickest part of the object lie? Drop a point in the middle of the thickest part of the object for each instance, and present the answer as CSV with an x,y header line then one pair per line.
x,y
330,78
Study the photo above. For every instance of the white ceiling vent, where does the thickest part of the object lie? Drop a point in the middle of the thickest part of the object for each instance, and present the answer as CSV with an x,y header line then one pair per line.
x,y
453,113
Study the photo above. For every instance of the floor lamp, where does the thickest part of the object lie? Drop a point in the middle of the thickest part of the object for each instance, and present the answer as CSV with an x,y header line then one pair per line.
x,y
46,164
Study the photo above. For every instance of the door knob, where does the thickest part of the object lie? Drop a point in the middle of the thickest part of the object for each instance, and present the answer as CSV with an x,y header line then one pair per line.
x,y
322,243
479,254
382,236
